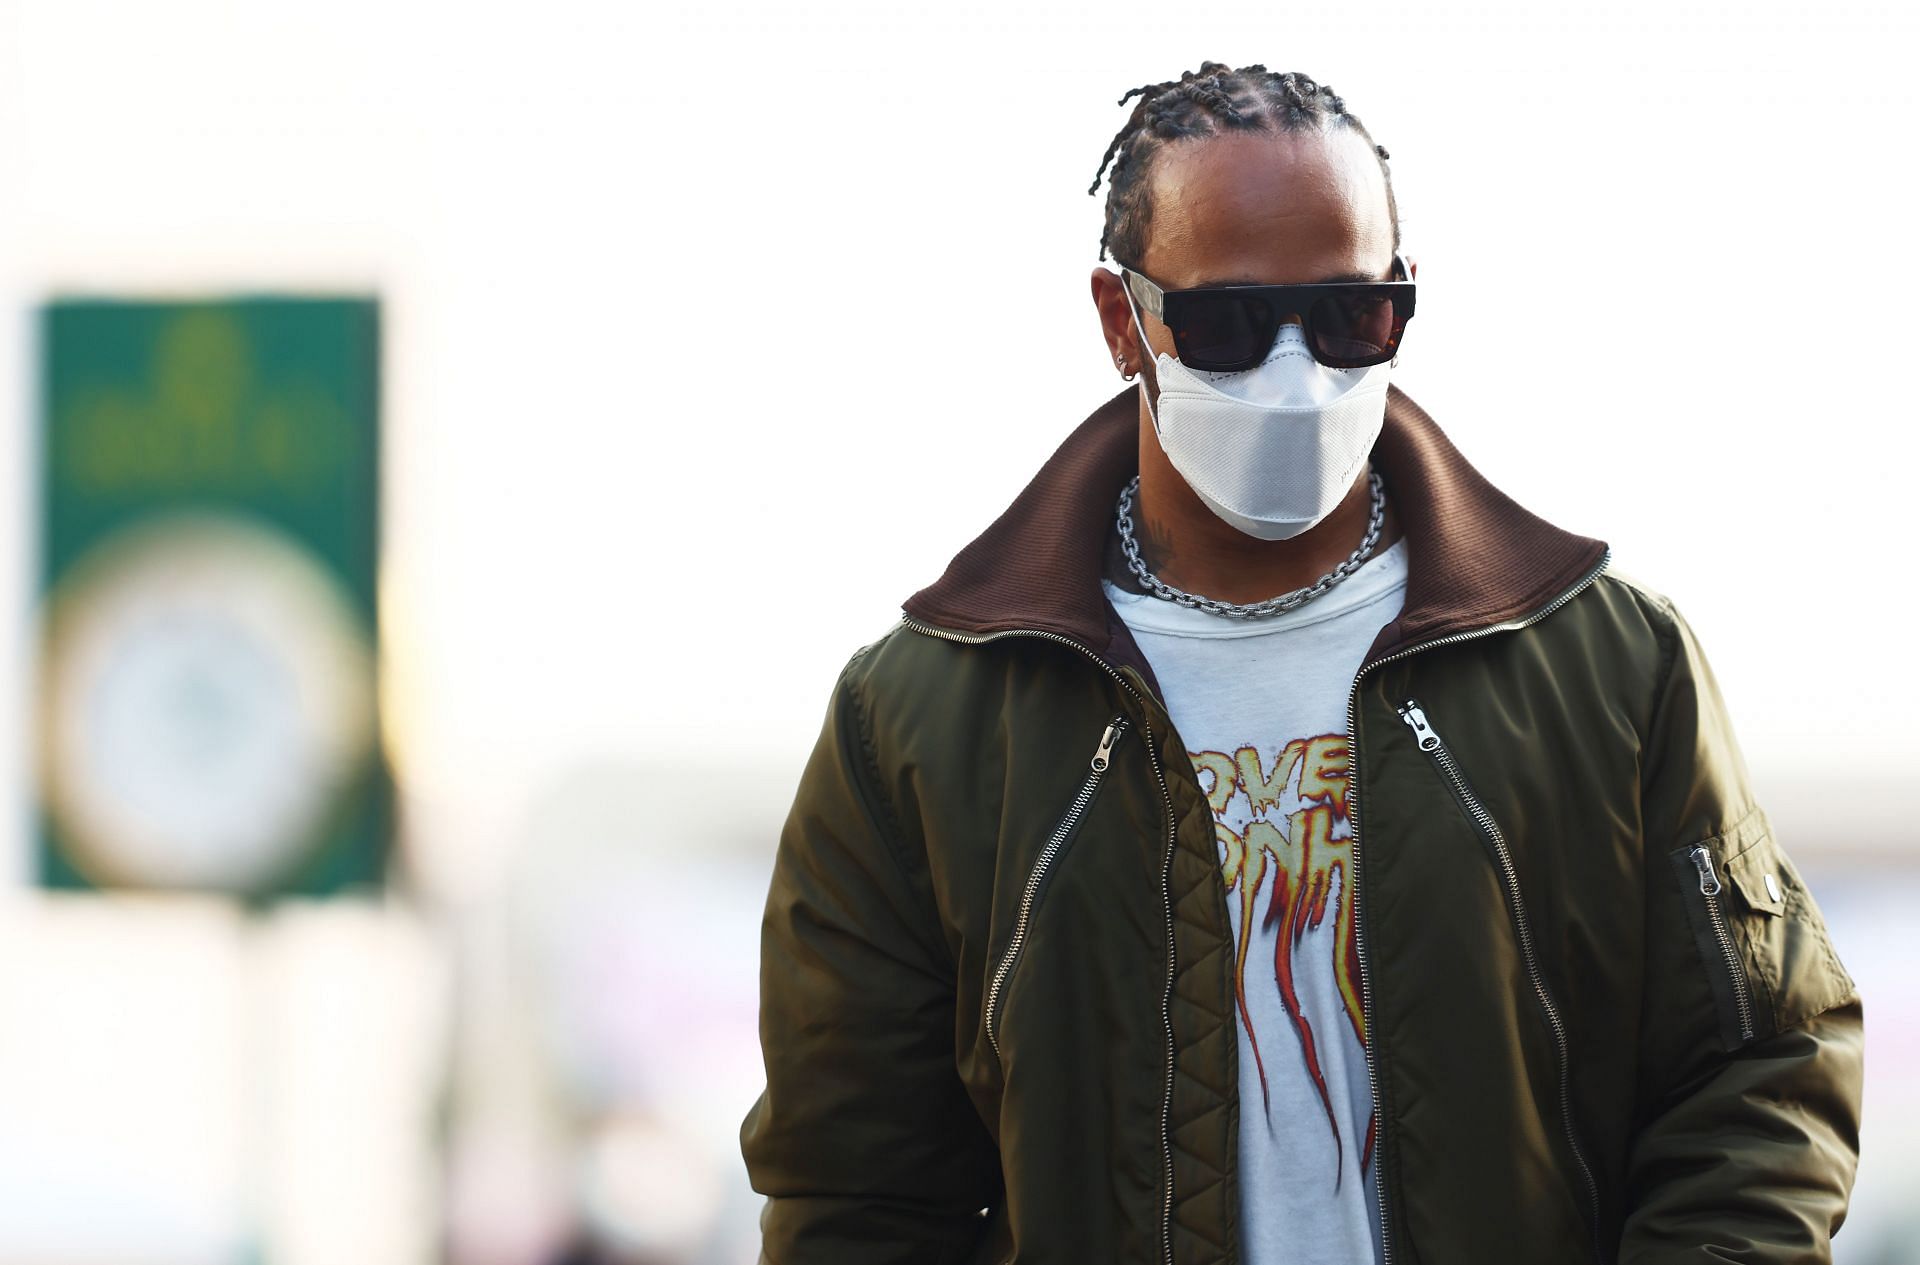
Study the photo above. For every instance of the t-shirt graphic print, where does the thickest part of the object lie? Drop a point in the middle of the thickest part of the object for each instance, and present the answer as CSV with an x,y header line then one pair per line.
x,y
1286,857
1260,705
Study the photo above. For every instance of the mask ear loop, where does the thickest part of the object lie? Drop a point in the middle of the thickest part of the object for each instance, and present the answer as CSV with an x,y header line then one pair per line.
x,y
1406,274
1147,348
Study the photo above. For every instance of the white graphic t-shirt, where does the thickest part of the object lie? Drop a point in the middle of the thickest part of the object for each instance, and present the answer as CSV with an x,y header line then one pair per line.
x,y
1262,707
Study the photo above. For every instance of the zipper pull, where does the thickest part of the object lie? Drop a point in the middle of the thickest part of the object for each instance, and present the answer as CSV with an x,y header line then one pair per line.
x,y
1703,862
1417,721
1107,739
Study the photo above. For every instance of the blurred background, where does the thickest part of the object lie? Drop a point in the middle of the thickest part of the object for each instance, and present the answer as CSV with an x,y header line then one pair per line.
x,y
452,450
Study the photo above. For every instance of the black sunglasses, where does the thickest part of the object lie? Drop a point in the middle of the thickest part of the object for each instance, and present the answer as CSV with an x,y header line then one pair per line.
x,y
1224,329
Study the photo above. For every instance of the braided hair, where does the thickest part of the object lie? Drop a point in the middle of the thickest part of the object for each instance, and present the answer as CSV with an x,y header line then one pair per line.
x,y
1208,102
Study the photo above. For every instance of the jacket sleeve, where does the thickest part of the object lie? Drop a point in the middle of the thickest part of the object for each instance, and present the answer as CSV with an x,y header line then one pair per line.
x,y
1749,1072
864,1141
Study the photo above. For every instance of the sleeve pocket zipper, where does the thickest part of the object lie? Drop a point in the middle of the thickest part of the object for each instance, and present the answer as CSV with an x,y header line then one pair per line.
x,y
1710,887
1042,872
1431,743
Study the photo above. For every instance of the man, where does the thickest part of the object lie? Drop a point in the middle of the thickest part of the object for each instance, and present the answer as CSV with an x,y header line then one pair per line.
x,y
1268,842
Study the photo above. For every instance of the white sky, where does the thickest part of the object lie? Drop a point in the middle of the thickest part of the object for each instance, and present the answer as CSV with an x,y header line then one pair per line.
x,y
653,475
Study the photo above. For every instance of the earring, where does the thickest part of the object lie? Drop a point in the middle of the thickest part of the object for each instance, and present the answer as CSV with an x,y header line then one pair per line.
x,y
1126,374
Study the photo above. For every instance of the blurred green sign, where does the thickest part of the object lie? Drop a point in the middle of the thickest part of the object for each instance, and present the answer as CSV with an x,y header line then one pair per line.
x,y
207,711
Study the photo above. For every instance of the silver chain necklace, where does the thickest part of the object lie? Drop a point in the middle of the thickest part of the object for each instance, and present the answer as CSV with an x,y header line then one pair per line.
x,y
1285,602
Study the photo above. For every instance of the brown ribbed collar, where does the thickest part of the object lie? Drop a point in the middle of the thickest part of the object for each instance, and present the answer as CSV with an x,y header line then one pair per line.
x,y
1474,556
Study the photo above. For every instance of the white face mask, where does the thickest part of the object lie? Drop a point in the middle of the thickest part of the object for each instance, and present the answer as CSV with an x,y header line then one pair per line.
x,y
1273,449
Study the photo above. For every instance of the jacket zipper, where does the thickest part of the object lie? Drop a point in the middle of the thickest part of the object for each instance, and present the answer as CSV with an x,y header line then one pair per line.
x,y
1359,889
1166,893
1353,820
1435,746
1710,889
1029,897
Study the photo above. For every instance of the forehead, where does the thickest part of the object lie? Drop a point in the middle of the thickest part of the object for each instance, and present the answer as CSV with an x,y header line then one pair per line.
x,y
1273,207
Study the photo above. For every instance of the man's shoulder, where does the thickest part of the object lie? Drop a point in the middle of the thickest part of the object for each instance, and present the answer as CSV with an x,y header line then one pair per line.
x,y
1655,599
1621,626
920,680
907,671
899,659
1630,604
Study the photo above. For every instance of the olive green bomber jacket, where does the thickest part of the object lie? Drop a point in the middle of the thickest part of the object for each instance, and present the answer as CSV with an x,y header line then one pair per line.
x,y
1604,1018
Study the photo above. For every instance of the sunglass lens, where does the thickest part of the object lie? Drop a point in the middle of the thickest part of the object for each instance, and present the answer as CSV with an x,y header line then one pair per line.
x,y
1354,329
1223,333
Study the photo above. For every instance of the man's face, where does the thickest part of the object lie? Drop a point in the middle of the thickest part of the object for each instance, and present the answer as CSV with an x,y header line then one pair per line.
x,y
1258,207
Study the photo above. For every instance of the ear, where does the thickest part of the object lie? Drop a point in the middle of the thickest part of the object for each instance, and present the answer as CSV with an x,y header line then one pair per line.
x,y
1116,321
